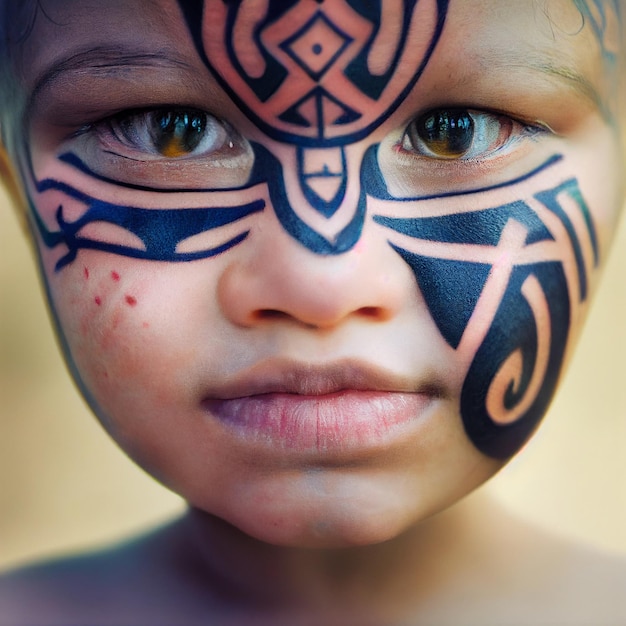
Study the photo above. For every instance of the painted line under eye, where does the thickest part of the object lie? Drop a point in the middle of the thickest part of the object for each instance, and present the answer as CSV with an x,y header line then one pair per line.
x,y
380,191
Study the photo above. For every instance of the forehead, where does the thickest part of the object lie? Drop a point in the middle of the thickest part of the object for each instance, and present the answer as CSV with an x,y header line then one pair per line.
x,y
552,37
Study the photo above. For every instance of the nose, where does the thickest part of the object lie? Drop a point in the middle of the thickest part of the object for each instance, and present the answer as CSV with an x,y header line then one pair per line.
x,y
275,278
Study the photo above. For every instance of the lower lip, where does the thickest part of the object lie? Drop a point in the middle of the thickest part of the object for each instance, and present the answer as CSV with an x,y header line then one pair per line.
x,y
345,420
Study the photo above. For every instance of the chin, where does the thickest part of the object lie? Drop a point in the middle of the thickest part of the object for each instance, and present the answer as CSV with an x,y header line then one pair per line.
x,y
329,512
326,530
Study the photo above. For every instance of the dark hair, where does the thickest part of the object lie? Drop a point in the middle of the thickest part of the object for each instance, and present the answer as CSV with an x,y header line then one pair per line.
x,y
17,18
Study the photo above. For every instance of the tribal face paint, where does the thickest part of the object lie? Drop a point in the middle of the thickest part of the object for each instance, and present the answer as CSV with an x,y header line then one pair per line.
x,y
318,80
318,76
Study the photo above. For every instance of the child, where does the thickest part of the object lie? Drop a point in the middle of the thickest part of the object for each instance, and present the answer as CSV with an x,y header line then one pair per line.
x,y
318,266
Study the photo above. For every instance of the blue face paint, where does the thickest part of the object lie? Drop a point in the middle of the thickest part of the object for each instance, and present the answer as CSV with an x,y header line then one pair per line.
x,y
598,14
160,230
312,28
550,198
316,89
516,328
322,49
267,169
451,289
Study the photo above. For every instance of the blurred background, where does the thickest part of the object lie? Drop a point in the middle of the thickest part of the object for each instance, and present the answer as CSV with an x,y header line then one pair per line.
x,y
65,486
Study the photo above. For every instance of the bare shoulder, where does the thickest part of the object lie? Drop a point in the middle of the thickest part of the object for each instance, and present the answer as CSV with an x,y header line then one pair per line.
x,y
140,581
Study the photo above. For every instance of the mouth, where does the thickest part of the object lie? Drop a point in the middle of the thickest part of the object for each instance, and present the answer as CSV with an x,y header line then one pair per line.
x,y
343,407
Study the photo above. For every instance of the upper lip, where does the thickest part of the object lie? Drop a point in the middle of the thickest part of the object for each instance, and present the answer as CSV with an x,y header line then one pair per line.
x,y
294,377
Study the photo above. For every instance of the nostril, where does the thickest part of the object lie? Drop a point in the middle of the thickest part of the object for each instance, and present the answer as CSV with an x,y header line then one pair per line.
x,y
373,312
269,314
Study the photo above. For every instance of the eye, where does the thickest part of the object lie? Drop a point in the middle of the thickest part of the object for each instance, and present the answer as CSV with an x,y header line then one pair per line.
x,y
460,134
171,133
162,147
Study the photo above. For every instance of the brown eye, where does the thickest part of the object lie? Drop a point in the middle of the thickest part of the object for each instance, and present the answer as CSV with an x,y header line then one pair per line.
x,y
171,133
448,134
176,133
459,134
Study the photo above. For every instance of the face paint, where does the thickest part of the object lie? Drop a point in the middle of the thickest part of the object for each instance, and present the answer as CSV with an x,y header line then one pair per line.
x,y
508,248
517,251
602,16
317,76
497,279
160,231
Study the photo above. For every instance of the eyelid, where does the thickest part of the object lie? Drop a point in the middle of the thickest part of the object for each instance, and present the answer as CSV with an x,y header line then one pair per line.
x,y
124,112
104,132
223,165
483,108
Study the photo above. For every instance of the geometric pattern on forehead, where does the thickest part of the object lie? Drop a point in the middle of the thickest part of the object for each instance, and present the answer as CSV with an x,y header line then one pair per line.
x,y
316,73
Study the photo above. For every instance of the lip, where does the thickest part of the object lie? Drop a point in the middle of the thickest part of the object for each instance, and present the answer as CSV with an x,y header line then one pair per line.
x,y
338,407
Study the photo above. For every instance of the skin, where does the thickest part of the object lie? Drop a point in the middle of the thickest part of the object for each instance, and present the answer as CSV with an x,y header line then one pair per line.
x,y
322,307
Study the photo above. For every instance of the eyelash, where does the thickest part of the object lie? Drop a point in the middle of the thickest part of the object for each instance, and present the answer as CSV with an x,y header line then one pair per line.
x,y
193,134
128,134
471,126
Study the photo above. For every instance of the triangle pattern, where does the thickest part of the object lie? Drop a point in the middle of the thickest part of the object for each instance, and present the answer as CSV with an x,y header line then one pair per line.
x,y
319,108
451,290
325,187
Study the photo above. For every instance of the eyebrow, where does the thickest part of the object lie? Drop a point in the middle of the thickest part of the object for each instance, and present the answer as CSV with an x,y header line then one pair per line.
x,y
109,59
575,80
115,59
552,68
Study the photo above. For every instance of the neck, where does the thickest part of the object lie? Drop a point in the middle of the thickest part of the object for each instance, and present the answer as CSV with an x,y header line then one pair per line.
x,y
402,573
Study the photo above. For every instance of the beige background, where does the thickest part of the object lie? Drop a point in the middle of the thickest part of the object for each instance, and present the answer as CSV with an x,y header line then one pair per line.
x,y
65,486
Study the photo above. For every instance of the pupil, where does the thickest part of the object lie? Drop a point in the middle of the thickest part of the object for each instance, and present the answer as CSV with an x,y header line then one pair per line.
x,y
176,133
447,133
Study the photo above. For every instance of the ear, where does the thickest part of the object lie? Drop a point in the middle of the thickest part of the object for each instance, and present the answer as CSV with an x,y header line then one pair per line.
x,y
9,179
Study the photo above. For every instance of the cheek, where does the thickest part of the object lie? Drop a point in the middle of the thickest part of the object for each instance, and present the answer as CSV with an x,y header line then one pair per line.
x,y
126,331
140,340
514,374
507,287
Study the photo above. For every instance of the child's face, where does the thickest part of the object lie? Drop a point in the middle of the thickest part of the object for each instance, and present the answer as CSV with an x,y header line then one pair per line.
x,y
318,269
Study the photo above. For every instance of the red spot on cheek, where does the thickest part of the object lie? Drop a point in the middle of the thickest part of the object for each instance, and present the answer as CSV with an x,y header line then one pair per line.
x,y
86,272
115,276
130,301
98,300
146,325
